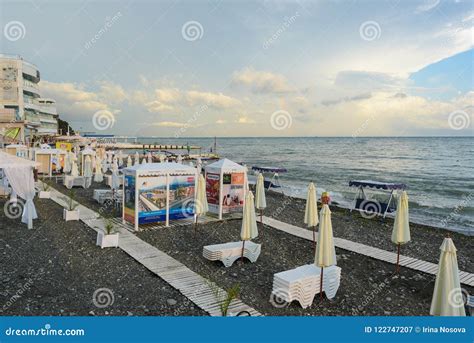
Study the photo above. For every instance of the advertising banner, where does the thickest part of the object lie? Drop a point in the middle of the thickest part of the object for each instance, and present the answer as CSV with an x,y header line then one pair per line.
x,y
64,146
233,192
151,199
181,196
212,191
129,201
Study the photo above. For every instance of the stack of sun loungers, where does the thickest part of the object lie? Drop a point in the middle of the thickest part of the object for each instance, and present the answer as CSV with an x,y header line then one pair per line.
x,y
303,283
228,253
102,195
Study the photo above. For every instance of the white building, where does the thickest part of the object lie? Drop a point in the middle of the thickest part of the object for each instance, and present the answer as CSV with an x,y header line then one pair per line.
x,y
23,112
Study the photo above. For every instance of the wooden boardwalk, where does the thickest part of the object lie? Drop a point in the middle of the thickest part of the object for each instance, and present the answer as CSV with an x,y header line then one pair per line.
x,y
196,288
366,250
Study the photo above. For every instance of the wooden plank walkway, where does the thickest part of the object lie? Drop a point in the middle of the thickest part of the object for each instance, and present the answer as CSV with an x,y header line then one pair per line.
x,y
366,250
196,288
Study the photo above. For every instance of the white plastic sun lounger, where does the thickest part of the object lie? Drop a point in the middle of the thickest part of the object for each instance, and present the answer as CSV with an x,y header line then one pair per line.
x,y
102,195
75,181
303,283
228,253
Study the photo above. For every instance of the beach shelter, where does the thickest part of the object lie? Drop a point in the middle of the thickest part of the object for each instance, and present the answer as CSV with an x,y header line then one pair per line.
x,y
19,173
260,200
447,295
226,184
201,200
325,255
98,176
401,225
158,192
129,161
311,211
249,229
49,160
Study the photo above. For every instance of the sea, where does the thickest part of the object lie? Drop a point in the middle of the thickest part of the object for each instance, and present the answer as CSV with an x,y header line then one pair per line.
x,y
438,171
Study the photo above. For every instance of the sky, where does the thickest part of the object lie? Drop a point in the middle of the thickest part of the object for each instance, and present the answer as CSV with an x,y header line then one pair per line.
x,y
251,68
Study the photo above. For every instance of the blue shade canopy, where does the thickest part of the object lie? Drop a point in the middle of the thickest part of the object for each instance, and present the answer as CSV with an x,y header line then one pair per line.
x,y
270,169
376,184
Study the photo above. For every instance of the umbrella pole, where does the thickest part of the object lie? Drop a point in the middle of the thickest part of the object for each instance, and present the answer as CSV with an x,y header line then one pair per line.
x,y
261,217
242,255
196,223
314,239
398,259
321,284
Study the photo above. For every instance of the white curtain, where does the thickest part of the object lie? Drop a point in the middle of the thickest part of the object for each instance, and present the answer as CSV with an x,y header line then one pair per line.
x,y
22,181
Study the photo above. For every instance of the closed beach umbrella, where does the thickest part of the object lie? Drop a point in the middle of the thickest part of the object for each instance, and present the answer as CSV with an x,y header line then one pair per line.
x,y
104,165
401,225
67,162
199,165
311,211
143,160
201,199
74,169
162,158
87,167
325,251
260,201
129,161
137,159
447,296
149,158
120,160
115,184
249,221
109,157
98,176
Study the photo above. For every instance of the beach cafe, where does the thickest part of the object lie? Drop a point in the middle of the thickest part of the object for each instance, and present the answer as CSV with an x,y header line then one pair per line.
x,y
158,192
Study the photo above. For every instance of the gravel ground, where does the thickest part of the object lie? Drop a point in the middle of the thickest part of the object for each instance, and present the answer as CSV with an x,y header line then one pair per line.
x,y
56,268
424,244
368,286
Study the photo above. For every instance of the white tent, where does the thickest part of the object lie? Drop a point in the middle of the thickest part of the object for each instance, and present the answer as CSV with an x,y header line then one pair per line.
x,y
158,192
19,173
226,184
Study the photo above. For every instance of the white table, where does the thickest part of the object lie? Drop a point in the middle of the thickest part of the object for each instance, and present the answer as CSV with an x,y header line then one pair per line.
x,y
75,181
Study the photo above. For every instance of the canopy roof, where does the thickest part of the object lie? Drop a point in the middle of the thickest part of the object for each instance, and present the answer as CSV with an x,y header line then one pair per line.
x,y
225,165
160,168
16,146
376,184
270,169
49,151
8,160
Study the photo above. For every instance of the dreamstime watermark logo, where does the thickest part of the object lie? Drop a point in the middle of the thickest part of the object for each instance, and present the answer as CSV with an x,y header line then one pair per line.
x,y
18,294
190,121
370,30
370,208
279,298
458,209
188,208
14,30
286,25
370,297
281,120
457,297
109,22
14,208
459,120
192,31
103,120
103,297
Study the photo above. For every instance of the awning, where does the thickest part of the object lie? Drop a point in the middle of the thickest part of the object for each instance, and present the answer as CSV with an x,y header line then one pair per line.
x,y
377,184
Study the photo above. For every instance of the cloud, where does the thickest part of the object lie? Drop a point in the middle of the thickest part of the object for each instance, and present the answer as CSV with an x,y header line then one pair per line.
x,y
347,99
427,5
244,119
261,81
217,100
169,124
158,107
368,80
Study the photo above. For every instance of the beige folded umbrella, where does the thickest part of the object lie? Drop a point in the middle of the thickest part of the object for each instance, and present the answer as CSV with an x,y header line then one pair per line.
x,y
401,225
129,161
447,296
136,162
201,199
325,255
98,176
74,169
249,222
311,211
260,201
